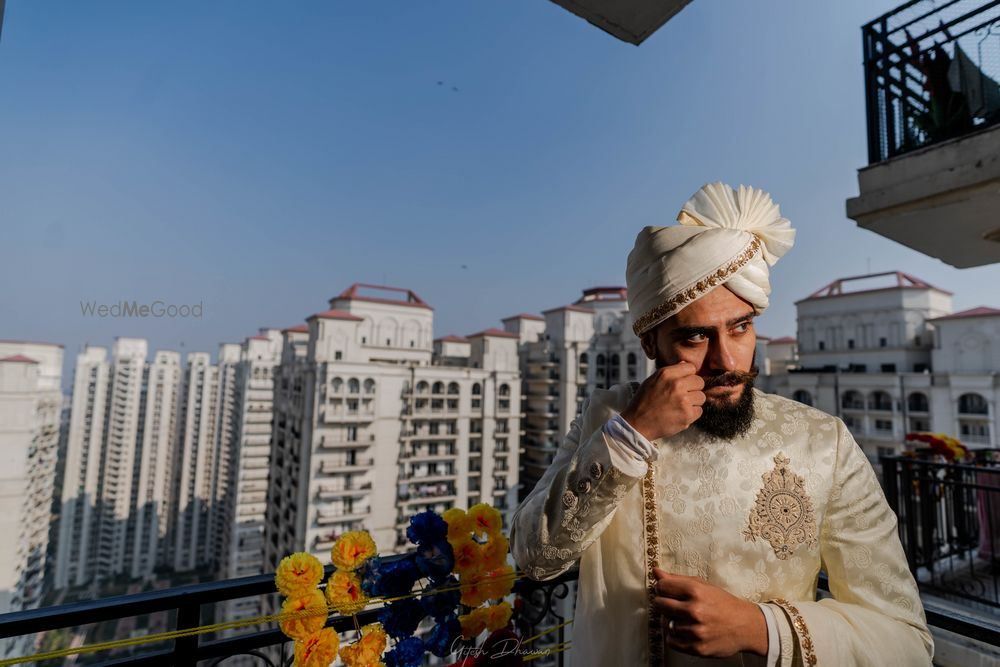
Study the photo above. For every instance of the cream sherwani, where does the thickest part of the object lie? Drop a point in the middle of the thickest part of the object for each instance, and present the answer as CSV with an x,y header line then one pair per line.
x,y
759,516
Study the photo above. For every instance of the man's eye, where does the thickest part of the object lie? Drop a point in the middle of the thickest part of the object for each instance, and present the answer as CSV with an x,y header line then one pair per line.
x,y
742,328
696,338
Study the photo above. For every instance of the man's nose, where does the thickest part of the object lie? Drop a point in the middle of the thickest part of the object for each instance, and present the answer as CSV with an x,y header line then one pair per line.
x,y
720,356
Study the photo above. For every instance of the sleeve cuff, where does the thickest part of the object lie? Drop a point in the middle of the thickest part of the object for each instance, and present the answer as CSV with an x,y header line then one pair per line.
x,y
773,643
630,451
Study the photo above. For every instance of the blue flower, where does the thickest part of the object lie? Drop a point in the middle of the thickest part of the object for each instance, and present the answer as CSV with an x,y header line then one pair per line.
x,y
435,559
388,579
441,605
427,527
401,618
443,636
407,653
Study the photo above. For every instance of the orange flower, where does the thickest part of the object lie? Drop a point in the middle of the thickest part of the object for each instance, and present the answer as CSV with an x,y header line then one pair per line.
x,y
343,592
468,555
495,552
319,649
473,623
367,651
459,524
485,519
297,574
498,616
497,583
352,549
302,625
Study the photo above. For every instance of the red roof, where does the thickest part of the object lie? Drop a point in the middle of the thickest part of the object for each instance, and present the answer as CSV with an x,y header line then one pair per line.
x,y
524,316
604,294
336,315
575,309
298,328
19,358
784,340
258,337
409,297
979,311
494,333
903,281
452,339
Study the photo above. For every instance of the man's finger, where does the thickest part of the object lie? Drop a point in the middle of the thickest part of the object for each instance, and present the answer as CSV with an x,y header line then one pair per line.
x,y
696,397
678,370
672,585
672,608
692,382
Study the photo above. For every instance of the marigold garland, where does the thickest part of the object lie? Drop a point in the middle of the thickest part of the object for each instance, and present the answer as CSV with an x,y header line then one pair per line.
x,y
469,544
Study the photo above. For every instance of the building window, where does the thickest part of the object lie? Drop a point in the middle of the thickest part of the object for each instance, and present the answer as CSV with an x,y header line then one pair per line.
x,y
879,400
883,425
917,402
852,400
888,368
850,343
337,356
352,433
822,345
972,404
882,342
803,396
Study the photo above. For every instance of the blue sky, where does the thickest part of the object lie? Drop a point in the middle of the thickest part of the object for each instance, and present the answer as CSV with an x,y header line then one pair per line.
x,y
259,157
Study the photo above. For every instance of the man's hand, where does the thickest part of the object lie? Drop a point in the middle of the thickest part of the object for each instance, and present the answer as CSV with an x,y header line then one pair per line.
x,y
667,402
704,620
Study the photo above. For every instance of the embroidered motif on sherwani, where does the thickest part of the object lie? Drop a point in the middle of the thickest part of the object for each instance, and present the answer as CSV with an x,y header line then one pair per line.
x,y
782,513
702,493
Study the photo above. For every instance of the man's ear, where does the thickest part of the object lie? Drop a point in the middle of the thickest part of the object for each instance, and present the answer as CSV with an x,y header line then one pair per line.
x,y
648,342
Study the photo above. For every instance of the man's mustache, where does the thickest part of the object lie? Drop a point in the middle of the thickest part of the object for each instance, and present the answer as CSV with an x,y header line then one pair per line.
x,y
731,378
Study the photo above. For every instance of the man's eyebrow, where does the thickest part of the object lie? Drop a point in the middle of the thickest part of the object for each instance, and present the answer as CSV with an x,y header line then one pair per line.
x,y
739,320
687,332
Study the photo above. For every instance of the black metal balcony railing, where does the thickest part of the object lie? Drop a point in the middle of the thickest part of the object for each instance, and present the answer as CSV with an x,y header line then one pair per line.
x,y
537,608
931,72
949,523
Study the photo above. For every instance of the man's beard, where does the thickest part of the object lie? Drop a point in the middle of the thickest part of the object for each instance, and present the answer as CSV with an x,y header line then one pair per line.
x,y
726,418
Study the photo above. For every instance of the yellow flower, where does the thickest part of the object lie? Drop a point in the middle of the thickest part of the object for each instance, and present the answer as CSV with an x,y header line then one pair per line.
x,y
303,625
495,552
319,649
459,524
497,583
343,592
367,651
352,549
485,519
473,623
297,574
474,593
498,616
468,555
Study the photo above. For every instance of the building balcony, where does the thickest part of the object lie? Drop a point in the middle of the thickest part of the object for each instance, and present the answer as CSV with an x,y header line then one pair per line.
x,y
332,493
327,467
933,109
329,518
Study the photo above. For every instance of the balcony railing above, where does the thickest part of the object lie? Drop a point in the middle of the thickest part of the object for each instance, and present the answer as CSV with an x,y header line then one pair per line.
x,y
931,73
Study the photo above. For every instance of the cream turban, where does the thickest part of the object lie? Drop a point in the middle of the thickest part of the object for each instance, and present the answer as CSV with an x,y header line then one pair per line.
x,y
726,237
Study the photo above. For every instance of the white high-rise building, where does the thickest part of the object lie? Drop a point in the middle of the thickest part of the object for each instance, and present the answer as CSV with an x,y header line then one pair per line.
x,y
151,508
565,355
30,405
193,473
372,427
247,462
118,460
85,443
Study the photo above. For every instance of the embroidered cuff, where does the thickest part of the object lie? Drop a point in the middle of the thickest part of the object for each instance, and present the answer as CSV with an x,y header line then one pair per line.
x,y
630,451
773,643
801,630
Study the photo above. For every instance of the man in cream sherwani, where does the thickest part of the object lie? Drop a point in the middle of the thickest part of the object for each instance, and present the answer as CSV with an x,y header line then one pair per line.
x,y
702,509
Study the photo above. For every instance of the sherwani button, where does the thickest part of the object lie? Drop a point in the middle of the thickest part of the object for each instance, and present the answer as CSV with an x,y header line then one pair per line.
x,y
596,470
569,500
583,486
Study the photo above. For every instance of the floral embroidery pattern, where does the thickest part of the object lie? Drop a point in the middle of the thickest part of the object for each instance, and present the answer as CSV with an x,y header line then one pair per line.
x,y
783,513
